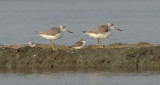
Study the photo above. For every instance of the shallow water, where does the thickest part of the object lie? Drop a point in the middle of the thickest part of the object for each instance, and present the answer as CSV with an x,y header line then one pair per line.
x,y
80,77
139,20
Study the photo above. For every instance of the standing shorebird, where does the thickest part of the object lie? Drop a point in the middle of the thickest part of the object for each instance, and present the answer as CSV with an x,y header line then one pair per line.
x,y
53,33
78,45
100,32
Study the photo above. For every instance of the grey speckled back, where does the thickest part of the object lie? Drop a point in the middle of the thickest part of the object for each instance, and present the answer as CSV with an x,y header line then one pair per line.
x,y
100,29
51,31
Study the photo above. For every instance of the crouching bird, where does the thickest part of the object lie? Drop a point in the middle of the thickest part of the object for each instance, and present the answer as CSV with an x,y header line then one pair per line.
x,y
78,45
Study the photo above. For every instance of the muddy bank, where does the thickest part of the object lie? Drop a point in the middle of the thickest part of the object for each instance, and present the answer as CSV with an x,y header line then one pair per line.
x,y
114,55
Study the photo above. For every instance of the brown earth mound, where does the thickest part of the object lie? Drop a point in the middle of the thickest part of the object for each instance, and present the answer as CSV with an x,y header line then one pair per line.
x,y
114,55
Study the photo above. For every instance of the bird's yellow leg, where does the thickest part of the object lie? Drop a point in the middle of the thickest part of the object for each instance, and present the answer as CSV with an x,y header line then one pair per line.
x,y
99,43
53,47
101,46
52,44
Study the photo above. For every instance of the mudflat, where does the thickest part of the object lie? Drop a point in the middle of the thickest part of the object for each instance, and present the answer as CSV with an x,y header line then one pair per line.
x,y
138,55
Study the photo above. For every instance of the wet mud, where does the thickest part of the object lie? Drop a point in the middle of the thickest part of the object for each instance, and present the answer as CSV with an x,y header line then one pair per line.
x,y
140,55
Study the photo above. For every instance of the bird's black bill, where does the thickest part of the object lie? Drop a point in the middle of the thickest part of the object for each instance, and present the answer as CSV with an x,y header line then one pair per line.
x,y
119,29
69,31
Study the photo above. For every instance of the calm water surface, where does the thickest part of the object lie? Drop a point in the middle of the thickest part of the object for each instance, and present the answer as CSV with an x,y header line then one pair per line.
x,y
82,77
19,19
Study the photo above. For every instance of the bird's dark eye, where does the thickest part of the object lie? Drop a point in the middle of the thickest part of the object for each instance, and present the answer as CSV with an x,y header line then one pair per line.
x,y
63,27
112,25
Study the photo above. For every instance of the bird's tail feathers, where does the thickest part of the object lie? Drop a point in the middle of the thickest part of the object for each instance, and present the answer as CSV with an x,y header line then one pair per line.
x,y
84,31
70,46
38,32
